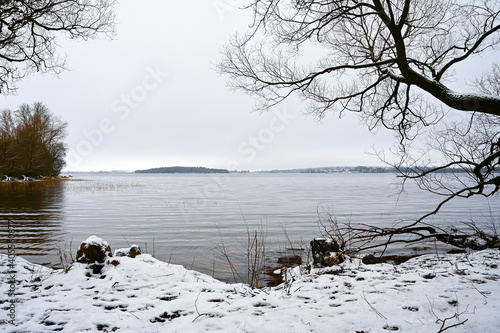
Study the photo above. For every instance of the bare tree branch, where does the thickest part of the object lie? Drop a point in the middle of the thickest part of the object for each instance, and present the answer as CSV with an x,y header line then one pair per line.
x,y
29,29
392,63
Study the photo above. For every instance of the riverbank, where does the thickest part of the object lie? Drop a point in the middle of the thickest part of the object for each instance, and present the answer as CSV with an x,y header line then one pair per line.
x,y
429,293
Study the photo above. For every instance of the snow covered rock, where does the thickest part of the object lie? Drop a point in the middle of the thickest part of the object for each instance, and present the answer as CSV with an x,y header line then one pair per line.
x,y
130,252
93,250
372,260
326,252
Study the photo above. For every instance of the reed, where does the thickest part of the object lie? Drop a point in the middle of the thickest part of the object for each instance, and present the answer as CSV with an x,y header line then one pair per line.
x,y
253,249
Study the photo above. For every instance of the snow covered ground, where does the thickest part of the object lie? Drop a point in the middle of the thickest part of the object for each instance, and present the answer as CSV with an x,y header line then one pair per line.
x,y
426,294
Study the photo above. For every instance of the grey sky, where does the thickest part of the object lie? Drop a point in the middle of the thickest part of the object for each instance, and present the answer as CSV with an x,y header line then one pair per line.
x,y
151,98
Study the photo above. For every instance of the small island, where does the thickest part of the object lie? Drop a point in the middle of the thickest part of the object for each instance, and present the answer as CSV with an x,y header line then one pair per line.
x,y
179,169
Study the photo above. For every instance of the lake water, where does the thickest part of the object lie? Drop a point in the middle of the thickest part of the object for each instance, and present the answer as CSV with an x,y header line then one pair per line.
x,y
181,218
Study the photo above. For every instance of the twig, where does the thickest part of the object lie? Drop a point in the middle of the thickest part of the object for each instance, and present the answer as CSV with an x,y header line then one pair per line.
x,y
481,293
443,321
196,307
443,328
372,307
126,240
159,276
134,315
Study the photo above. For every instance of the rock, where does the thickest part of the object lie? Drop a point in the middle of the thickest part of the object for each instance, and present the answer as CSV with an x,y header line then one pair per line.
x,y
131,252
96,268
93,250
289,261
457,251
372,260
326,252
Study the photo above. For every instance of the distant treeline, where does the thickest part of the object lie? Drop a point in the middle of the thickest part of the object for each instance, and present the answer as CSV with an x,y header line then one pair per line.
x,y
357,169
179,169
360,169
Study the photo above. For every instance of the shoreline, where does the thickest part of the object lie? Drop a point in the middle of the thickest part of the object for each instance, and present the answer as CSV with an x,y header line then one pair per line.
x,y
423,294
41,180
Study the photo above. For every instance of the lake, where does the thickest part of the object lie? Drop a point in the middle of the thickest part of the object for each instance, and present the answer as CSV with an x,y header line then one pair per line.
x,y
181,218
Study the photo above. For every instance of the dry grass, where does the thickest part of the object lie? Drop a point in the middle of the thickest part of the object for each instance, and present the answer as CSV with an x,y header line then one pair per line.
x,y
99,185
71,184
254,250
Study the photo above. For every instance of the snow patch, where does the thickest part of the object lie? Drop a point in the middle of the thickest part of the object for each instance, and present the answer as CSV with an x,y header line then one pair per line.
x,y
94,240
147,295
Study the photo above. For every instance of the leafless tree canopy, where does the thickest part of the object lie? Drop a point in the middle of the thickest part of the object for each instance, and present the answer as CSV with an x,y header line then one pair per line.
x,y
393,62
29,28
395,49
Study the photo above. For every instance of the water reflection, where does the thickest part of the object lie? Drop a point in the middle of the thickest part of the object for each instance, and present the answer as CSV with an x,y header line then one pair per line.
x,y
35,211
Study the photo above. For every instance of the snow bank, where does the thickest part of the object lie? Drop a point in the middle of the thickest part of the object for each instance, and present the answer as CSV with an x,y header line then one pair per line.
x,y
425,294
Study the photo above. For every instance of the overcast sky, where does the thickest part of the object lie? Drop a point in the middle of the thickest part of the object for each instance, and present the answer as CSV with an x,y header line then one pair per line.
x,y
152,98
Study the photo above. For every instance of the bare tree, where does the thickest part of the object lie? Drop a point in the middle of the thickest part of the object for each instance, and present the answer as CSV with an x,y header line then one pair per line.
x,y
29,31
393,62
